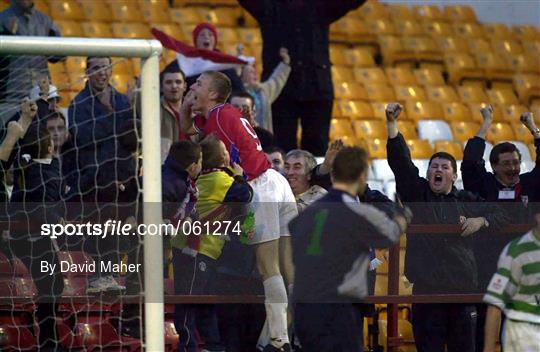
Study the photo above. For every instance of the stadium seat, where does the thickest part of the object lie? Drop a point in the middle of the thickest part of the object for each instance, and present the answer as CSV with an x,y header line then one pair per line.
x,y
125,11
371,75
468,29
495,67
460,13
374,9
409,28
526,32
521,132
70,28
472,94
97,29
340,128
382,170
353,90
475,108
420,148
527,87
76,64
500,132
477,45
394,52
96,10
463,130
370,129
429,77
42,6
228,35
185,15
172,29
152,14
497,31
379,110
341,73
420,110
525,62
452,44
398,76
442,94
413,92
438,29
376,148
337,55
131,30
356,110
75,283
122,81
456,112
425,49
66,10
462,66
381,27
380,92
249,35
122,66
352,30
434,130
506,47
359,57
221,16
451,147
96,336
532,46
502,96
401,12
407,129
512,112
428,13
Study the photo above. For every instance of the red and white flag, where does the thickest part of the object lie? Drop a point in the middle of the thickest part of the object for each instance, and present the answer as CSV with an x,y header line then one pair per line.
x,y
195,61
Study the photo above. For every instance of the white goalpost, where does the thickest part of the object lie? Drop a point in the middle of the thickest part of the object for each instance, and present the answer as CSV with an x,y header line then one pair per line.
x,y
149,52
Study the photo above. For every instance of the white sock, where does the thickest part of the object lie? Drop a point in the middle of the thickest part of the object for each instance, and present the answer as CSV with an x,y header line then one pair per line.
x,y
276,309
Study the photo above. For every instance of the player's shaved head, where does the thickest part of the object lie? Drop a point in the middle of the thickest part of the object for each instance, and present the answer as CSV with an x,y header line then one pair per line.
x,y
219,84
349,164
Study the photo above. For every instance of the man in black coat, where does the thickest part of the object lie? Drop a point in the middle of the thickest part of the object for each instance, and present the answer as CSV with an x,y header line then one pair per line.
x,y
302,27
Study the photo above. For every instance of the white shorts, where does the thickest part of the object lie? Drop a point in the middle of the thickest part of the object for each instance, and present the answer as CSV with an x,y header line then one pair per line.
x,y
274,206
521,336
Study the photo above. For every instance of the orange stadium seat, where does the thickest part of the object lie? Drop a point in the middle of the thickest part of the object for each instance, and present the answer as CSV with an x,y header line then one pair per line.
x,y
76,64
472,94
407,129
409,28
477,116
122,66
461,66
425,49
221,16
429,77
500,132
359,57
400,76
495,66
512,112
373,9
420,148
185,15
428,12
527,87
498,30
341,73
370,129
502,96
371,75
420,110
96,10
460,13
438,29
452,44
352,30
356,110
350,90
380,92
381,27
249,35
412,92
126,11
472,30
451,147
506,47
394,52
228,35
526,32
443,94
340,128
478,45
70,28
456,112
376,148
66,10
463,131
131,30
153,14
526,62
337,55
97,29
521,132
401,12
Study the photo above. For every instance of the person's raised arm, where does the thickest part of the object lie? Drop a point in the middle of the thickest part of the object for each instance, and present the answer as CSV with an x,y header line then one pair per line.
x,y
527,119
487,116
275,83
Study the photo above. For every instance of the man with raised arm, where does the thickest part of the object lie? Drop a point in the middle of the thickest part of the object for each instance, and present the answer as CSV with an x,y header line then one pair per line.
x,y
273,201
439,263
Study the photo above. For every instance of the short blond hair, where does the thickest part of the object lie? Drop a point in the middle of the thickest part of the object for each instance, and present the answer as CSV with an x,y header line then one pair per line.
x,y
220,84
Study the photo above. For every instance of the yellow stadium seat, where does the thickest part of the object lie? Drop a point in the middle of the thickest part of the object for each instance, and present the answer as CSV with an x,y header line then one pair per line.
x,y
460,13
477,116
359,57
77,81
451,147
380,92
249,35
438,28
420,148
228,35
381,27
97,29
351,29
443,94
379,110
502,96
221,16
171,29
340,128
527,63
421,110
495,67
464,130
350,90
337,55
472,94
356,110
131,30
60,79
158,4
76,64
454,112
376,148
96,10
401,12
394,52
452,44
42,6
409,28
70,28
497,30
66,10
373,9
478,45
412,92
126,11
407,129
370,129
426,76
512,112
122,66
185,15
522,133
507,47
400,76
428,12
155,15
336,109
371,75
532,47
526,32
424,48
535,109
461,66
500,132
472,30
341,73
527,87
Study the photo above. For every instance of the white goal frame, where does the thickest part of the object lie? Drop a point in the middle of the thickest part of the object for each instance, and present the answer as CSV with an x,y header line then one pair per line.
x,y
149,52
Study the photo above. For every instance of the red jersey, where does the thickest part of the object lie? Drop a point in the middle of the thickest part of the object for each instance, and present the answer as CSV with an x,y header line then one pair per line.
x,y
227,124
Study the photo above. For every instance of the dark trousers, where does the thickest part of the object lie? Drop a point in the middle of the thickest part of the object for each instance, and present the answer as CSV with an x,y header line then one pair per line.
x,y
314,117
192,276
438,325
329,327
49,287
